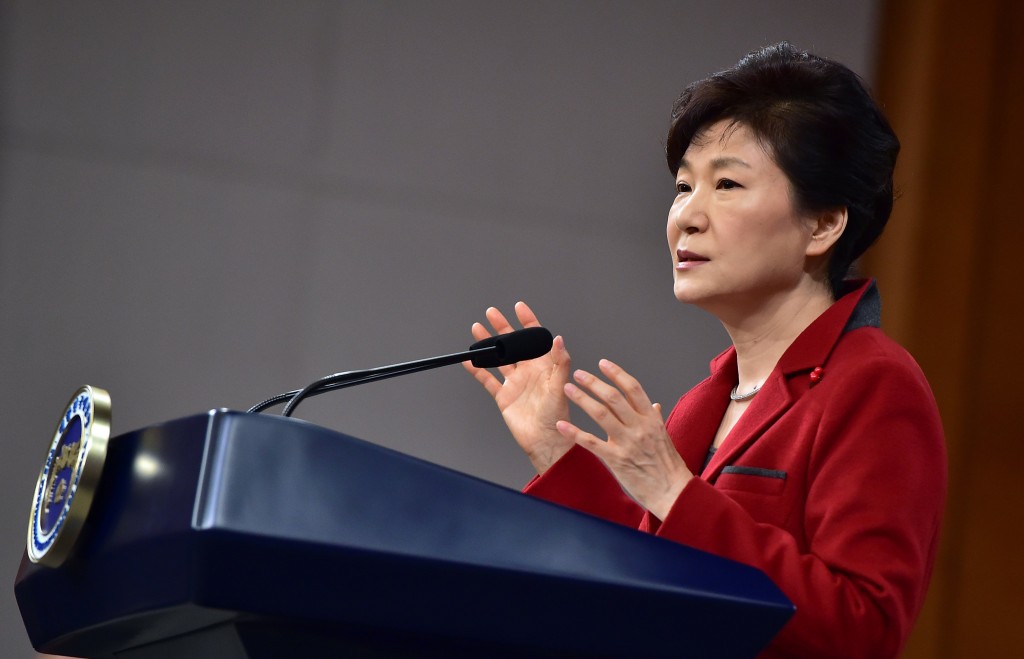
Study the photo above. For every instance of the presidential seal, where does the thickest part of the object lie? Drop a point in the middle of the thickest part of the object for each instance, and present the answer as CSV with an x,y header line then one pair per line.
x,y
69,477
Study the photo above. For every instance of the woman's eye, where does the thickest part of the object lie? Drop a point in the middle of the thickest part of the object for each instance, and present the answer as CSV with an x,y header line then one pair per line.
x,y
726,184
682,187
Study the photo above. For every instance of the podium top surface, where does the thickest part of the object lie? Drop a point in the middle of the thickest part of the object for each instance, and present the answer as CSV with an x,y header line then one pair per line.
x,y
228,515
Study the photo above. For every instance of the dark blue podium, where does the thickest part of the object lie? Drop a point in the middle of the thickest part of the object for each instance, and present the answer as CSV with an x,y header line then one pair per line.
x,y
235,535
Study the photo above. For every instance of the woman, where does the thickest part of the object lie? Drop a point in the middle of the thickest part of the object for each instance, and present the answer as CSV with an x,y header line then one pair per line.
x,y
814,450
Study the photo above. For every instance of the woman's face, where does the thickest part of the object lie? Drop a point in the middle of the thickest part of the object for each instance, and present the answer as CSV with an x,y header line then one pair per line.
x,y
735,236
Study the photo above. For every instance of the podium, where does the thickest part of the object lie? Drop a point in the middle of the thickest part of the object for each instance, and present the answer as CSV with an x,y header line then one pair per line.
x,y
234,535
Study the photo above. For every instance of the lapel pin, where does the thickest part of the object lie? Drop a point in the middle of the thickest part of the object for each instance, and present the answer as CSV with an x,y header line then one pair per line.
x,y
816,375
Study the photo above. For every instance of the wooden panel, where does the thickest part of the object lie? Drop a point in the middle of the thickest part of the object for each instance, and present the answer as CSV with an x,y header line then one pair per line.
x,y
950,77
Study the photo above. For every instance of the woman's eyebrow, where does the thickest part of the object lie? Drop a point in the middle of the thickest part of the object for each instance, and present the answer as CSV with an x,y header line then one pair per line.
x,y
718,163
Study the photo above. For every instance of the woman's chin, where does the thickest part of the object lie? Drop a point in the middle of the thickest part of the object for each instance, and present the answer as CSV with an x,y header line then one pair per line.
x,y
710,300
687,293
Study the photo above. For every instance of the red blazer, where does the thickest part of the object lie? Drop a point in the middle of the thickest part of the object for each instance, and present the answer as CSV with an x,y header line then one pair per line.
x,y
835,489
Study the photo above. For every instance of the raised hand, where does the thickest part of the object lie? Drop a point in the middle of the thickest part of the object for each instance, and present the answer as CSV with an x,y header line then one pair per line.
x,y
530,394
639,451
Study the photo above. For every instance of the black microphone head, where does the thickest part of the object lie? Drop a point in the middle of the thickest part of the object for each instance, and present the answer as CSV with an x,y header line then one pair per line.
x,y
512,347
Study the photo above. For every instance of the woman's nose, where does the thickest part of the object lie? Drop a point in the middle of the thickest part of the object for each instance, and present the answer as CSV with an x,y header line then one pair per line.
x,y
690,216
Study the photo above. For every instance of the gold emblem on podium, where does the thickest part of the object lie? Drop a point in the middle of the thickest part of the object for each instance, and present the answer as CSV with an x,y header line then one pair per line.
x,y
68,479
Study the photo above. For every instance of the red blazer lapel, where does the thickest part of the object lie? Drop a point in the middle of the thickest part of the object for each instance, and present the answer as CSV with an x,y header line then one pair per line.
x,y
788,382
695,419
771,402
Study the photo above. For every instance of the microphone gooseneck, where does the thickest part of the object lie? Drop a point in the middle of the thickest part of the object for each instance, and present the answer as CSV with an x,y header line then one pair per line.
x,y
494,351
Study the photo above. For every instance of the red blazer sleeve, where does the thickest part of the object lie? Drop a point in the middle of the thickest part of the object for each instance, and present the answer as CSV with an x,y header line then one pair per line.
x,y
855,558
580,481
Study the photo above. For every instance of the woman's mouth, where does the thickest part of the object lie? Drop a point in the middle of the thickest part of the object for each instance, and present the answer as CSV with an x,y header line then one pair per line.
x,y
685,259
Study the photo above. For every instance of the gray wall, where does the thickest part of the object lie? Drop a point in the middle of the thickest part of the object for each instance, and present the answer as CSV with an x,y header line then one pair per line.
x,y
203,203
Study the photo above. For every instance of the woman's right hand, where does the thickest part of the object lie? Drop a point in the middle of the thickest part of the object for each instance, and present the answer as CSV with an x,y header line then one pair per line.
x,y
531,395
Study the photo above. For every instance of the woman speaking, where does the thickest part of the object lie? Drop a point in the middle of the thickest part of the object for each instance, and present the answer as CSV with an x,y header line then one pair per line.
x,y
814,450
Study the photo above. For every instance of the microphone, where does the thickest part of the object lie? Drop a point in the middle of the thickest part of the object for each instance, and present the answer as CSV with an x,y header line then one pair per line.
x,y
512,347
492,352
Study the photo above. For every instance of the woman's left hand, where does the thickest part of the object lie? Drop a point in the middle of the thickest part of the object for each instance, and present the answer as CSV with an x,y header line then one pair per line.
x,y
639,451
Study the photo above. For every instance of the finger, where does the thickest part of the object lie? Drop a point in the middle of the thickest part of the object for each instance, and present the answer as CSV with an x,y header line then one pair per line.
x,y
595,409
608,395
525,315
501,326
498,321
484,377
585,439
563,362
626,383
479,331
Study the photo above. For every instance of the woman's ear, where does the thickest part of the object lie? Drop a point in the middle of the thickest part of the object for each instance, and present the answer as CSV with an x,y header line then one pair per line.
x,y
826,228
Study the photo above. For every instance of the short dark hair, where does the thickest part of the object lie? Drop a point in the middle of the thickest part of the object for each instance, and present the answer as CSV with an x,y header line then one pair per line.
x,y
819,124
